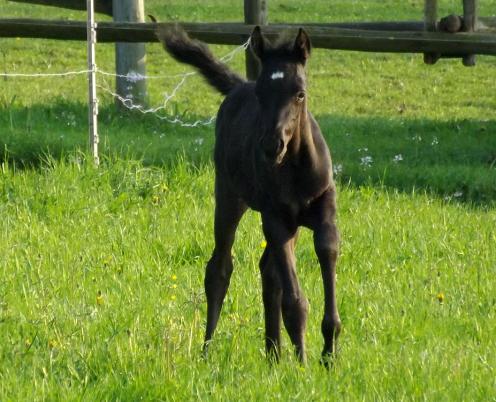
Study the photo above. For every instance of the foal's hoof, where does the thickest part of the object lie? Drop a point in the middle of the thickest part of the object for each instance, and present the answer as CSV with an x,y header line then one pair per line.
x,y
204,351
272,357
327,359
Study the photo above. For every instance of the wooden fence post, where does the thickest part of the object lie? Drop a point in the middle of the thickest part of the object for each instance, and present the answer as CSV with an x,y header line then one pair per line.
x,y
430,24
255,14
469,25
130,58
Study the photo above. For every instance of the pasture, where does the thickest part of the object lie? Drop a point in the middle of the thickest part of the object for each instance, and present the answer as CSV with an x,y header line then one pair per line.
x,y
101,285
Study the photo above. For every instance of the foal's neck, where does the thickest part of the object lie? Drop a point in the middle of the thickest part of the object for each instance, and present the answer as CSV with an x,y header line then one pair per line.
x,y
303,145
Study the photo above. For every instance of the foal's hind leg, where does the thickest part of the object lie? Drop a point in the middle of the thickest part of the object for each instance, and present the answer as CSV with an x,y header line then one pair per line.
x,y
294,302
228,211
271,294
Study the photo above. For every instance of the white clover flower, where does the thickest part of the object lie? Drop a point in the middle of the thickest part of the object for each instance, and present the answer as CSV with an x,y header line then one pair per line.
x,y
337,169
366,161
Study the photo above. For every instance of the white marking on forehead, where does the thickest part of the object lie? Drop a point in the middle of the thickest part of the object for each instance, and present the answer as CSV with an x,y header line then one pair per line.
x,y
277,75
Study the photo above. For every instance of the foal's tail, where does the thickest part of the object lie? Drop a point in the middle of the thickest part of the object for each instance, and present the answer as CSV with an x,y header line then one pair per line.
x,y
186,50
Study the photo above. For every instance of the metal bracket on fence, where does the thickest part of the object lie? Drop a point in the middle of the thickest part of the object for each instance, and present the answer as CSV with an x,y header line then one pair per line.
x,y
451,24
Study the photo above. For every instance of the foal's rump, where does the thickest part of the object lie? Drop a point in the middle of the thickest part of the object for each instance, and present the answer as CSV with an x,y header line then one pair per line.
x,y
236,140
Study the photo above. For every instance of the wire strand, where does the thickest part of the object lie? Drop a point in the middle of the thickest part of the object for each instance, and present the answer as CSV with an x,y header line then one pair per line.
x,y
133,76
67,73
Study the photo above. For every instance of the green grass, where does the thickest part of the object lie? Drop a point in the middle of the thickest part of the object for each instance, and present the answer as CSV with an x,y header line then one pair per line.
x,y
101,294
141,237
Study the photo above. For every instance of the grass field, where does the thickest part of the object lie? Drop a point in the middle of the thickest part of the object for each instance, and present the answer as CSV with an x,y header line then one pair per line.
x,y
101,294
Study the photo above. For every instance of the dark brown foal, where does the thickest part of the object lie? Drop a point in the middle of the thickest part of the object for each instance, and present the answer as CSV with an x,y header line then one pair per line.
x,y
270,156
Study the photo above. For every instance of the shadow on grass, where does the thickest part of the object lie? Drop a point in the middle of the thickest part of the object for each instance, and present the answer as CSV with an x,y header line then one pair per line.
x,y
454,159
29,135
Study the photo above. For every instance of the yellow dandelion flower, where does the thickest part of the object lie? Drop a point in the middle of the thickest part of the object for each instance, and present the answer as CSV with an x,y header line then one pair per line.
x,y
263,244
440,297
174,277
173,297
99,298
174,286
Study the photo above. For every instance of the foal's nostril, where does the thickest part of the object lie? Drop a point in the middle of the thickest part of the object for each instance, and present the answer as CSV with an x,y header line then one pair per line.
x,y
274,148
269,153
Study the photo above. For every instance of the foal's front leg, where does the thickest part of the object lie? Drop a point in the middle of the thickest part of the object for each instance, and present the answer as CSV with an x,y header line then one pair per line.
x,y
281,237
322,221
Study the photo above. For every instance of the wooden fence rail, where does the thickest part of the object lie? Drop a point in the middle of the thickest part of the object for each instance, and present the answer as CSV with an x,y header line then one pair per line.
x,y
323,36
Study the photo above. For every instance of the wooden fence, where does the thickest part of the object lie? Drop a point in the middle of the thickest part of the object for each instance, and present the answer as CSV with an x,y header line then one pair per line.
x,y
452,36
403,37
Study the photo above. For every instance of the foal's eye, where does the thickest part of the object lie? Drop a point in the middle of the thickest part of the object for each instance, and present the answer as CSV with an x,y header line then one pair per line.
x,y
300,96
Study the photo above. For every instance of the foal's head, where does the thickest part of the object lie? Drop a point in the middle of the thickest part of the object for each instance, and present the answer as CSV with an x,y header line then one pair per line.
x,y
281,91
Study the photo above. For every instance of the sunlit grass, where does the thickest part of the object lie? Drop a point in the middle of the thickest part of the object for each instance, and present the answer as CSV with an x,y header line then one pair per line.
x,y
102,292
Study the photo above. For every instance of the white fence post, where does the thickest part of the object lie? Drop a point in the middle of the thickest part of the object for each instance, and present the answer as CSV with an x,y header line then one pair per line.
x,y
93,101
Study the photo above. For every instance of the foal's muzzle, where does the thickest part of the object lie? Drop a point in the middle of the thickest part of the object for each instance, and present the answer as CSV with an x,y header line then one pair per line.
x,y
273,149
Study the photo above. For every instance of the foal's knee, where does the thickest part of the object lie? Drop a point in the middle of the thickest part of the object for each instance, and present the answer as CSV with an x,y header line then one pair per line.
x,y
218,273
326,241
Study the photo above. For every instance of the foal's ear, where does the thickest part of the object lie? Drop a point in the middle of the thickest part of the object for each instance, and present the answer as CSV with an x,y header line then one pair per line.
x,y
302,46
258,43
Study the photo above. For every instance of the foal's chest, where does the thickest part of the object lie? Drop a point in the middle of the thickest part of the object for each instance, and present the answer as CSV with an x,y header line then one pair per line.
x,y
297,188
